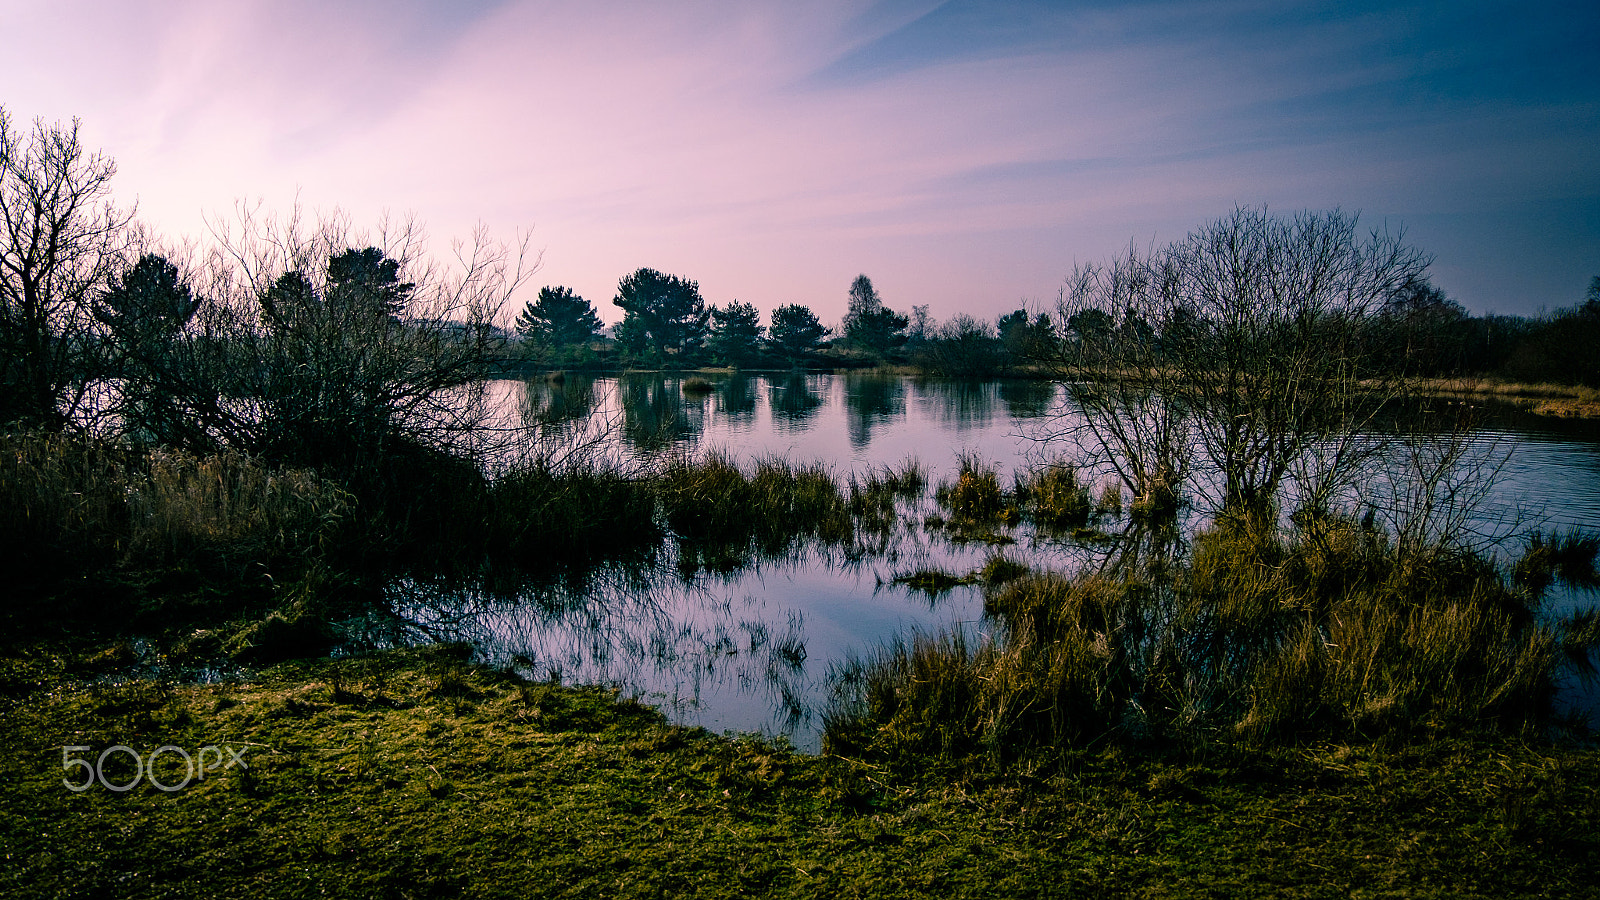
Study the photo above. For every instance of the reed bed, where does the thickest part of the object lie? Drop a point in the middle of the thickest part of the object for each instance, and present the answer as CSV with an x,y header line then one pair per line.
x,y
712,500
107,504
1254,638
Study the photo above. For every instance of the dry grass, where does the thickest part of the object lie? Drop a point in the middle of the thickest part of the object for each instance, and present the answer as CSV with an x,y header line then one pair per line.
x,y
1556,400
186,503
1255,638
131,507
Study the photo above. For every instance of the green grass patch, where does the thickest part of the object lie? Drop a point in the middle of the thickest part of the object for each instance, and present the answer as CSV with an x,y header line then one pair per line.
x,y
416,775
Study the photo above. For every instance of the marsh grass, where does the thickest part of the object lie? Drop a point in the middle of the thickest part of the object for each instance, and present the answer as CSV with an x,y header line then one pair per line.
x,y
56,491
542,514
186,504
1055,497
101,507
1253,638
997,570
723,510
932,582
876,494
1110,503
975,495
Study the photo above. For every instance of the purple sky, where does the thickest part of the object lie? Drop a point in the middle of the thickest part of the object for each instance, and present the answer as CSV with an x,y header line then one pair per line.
x,y
964,155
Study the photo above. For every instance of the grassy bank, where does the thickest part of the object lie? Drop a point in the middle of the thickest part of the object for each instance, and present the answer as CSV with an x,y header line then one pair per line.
x,y
417,775
1557,400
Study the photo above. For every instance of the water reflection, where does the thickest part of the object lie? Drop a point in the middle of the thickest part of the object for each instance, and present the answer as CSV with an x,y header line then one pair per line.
x,y
557,402
1028,398
959,404
736,399
794,400
656,415
869,401
694,650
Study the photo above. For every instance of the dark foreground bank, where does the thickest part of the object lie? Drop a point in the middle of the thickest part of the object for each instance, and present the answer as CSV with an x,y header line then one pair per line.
x,y
419,775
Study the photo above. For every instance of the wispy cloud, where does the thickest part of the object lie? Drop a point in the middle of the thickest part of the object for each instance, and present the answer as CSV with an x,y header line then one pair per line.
x,y
964,153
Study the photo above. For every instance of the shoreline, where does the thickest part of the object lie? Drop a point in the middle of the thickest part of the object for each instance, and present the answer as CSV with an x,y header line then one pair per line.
x,y
1557,401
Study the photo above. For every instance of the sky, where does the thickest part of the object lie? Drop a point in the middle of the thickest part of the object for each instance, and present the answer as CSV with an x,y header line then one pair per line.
x,y
964,155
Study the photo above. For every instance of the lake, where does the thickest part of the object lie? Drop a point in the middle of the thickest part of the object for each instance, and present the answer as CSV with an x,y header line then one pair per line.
x,y
750,650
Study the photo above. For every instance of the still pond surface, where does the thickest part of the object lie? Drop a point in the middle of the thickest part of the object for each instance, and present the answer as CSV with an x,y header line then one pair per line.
x,y
751,650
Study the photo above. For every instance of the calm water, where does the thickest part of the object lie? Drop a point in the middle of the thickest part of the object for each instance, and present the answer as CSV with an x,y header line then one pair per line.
x,y
751,651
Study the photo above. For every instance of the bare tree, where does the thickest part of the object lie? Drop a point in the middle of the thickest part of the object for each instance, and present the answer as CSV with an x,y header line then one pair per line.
x,y
60,240
321,345
1242,344
1129,415
1271,350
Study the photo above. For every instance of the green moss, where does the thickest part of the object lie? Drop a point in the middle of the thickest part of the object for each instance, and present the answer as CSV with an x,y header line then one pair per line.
x,y
415,774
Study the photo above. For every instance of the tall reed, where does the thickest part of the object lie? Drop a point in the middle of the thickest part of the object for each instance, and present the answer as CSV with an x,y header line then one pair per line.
x,y
144,508
1255,636
712,502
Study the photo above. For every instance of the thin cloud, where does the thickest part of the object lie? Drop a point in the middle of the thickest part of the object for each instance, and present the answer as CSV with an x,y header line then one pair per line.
x,y
964,153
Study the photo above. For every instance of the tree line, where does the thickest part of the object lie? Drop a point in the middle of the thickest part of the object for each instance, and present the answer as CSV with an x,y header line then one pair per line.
x,y
1413,328
666,322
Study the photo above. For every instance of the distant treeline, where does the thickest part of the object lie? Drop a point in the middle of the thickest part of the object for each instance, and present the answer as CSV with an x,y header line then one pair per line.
x,y
1419,331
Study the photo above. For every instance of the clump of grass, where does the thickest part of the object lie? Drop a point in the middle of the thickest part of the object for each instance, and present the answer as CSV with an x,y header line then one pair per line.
x,y
944,697
1001,569
998,570
933,582
1110,499
1548,558
874,494
167,528
541,513
1055,497
1255,637
975,496
697,385
905,482
58,491
1157,499
712,502
188,503
804,499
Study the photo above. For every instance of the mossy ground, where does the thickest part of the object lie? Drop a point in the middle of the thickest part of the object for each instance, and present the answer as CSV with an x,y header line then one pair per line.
x,y
415,775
